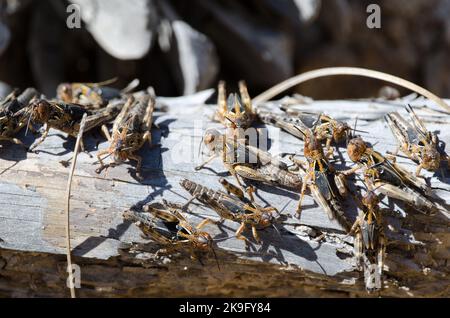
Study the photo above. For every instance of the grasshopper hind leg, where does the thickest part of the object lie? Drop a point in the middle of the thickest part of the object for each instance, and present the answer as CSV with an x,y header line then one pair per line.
x,y
41,140
302,195
255,234
100,160
245,96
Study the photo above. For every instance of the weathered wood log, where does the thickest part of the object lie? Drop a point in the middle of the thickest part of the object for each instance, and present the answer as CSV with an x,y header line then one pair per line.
x,y
116,261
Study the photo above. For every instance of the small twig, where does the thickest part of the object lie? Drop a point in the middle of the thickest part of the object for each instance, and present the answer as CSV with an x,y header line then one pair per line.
x,y
69,188
331,71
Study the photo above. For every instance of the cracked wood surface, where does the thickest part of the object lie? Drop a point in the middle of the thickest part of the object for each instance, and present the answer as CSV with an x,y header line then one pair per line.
x,y
32,188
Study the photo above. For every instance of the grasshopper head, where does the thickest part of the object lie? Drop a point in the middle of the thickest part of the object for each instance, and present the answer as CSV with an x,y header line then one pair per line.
x,y
211,139
64,92
431,158
356,148
120,148
235,114
340,130
40,110
312,147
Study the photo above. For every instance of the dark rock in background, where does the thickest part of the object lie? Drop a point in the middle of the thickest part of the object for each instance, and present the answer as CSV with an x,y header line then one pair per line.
x,y
5,37
5,89
180,47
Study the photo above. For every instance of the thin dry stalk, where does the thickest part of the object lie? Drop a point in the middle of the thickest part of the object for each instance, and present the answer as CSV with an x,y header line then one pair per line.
x,y
332,71
69,188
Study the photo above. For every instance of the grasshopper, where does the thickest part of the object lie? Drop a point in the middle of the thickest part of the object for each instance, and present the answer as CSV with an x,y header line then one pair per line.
x,y
370,240
66,117
297,123
91,95
234,206
131,129
248,162
12,114
234,112
419,144
388,177
326,185
165,224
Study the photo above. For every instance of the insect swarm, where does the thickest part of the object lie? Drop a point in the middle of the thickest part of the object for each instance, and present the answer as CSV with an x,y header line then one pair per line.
x,y
248,162
415,141
234,206
12,114
165,224
321,178
370,240
131,129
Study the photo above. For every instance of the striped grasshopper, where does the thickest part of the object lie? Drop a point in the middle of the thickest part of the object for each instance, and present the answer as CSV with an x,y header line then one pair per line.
x,y
234,112
165,224
327,186
388,177
12,114
233,206
298,123
415,141
66,117
131,129
248,162
370,239
92,95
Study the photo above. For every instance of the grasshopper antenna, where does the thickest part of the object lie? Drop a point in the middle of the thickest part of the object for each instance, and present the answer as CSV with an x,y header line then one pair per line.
x,y
224,238
200,145
352,135
354,127
29,118
276,230
316,122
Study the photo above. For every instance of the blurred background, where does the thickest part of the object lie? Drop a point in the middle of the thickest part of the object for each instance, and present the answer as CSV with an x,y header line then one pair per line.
x,y
181,47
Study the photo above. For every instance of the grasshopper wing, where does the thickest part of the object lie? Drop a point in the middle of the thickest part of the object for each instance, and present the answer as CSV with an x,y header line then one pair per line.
x,y
418,124
402,130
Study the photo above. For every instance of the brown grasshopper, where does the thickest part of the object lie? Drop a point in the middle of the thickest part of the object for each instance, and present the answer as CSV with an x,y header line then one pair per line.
x,y
388,177
234,112
131,129
419,144
233,206
370,240
165,224
248,162
326,185
66,117
91,95
12,114
297,123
